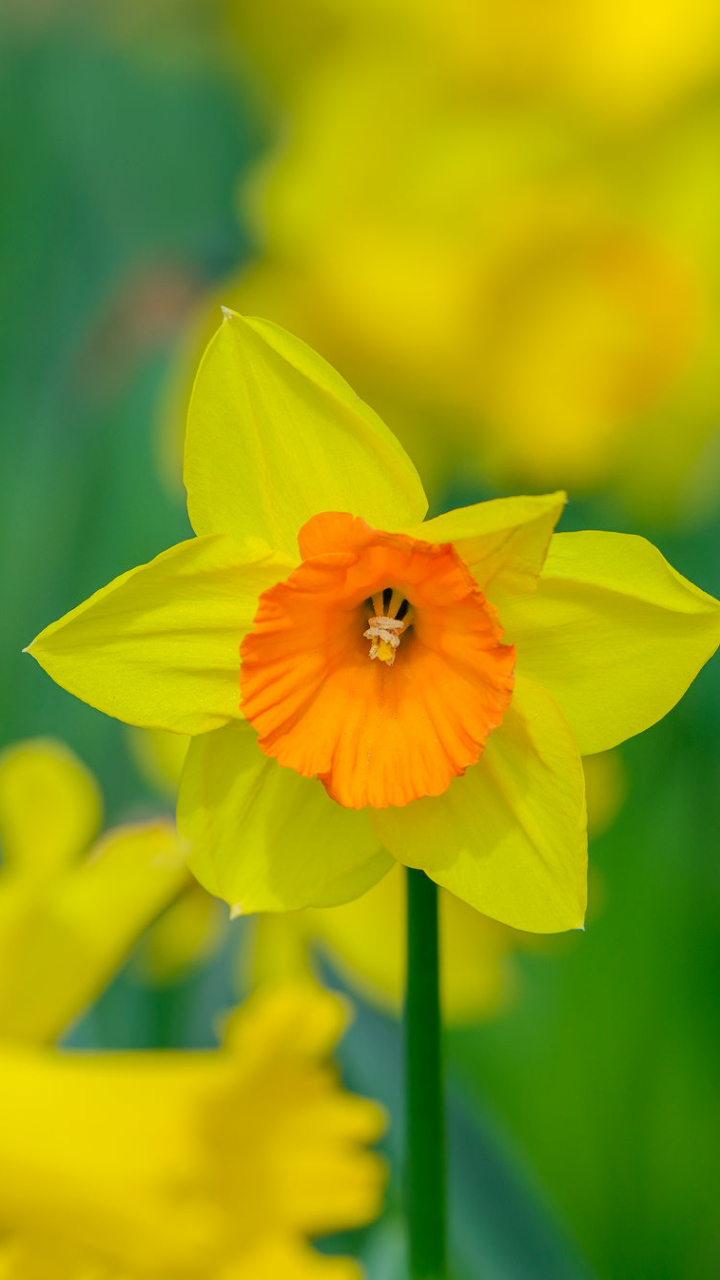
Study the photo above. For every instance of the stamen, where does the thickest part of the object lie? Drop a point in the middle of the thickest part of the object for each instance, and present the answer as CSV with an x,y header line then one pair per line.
x,y
393,615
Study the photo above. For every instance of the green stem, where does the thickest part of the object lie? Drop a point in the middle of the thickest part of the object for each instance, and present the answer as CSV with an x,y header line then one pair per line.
x,y
424,1110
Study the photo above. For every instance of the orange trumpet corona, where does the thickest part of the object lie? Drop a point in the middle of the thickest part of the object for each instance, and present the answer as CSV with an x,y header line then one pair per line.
x,y
377,665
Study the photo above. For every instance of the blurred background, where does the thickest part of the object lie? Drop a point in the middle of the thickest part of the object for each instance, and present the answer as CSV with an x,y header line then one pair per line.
x,y
502,224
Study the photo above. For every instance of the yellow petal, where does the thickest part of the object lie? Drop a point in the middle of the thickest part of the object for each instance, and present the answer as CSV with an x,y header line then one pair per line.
x,y
322,1181
275,436
159,645
606,786
187,1164
509,836
366,940
50,807
59,947
279,949
192,929
613,632
159,757
292,1260
503,542
263,837
89,1148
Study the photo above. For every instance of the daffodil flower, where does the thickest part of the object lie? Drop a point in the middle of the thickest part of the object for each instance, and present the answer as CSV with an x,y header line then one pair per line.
x,y
210,1166
71,905
320,754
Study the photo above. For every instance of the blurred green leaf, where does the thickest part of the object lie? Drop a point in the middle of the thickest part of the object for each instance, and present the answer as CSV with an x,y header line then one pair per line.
x,y
116,210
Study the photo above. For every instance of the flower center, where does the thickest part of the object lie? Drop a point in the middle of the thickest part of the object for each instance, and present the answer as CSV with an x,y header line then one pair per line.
x,y
391,617
375,733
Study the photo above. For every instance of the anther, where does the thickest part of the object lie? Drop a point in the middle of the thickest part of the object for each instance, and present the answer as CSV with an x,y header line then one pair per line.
x,y
393,615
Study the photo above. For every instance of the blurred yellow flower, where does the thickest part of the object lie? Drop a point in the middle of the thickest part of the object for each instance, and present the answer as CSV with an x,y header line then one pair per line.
x,y
272,639
500,222
206,1166
71,906
131,1166
365,939
619,61
159,757
194,925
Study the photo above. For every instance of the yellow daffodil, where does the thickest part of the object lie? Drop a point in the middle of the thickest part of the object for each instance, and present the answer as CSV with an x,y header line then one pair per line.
x,y
71,905
205,1166
362,686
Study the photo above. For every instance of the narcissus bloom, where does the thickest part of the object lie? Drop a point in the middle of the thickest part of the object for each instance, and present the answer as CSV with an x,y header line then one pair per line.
x,y
71,906
205,1166
363,687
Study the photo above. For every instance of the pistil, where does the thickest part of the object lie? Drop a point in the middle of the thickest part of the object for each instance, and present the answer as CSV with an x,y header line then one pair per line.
x,y
385,626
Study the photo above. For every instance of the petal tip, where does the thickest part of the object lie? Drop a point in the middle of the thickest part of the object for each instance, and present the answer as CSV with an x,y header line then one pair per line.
x,y
236,910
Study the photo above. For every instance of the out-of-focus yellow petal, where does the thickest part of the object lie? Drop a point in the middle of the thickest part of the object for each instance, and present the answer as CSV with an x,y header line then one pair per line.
x,y
202,1165
190,930
279,948
367,939
503,542
275,436
509,836
159,756
86,1142
50,807
290,1260
613,631
297,1018
281,1033
59,946
159,645
263,837
606,787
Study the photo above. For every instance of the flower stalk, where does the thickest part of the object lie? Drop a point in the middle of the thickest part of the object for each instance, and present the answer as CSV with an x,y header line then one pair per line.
x,y
425,1121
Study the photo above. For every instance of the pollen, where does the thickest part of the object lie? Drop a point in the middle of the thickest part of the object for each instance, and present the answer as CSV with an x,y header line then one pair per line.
x,y
393,615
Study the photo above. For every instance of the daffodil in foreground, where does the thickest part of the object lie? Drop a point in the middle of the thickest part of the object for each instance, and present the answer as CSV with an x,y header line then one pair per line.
x,y
194,1166
71,906
363,687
